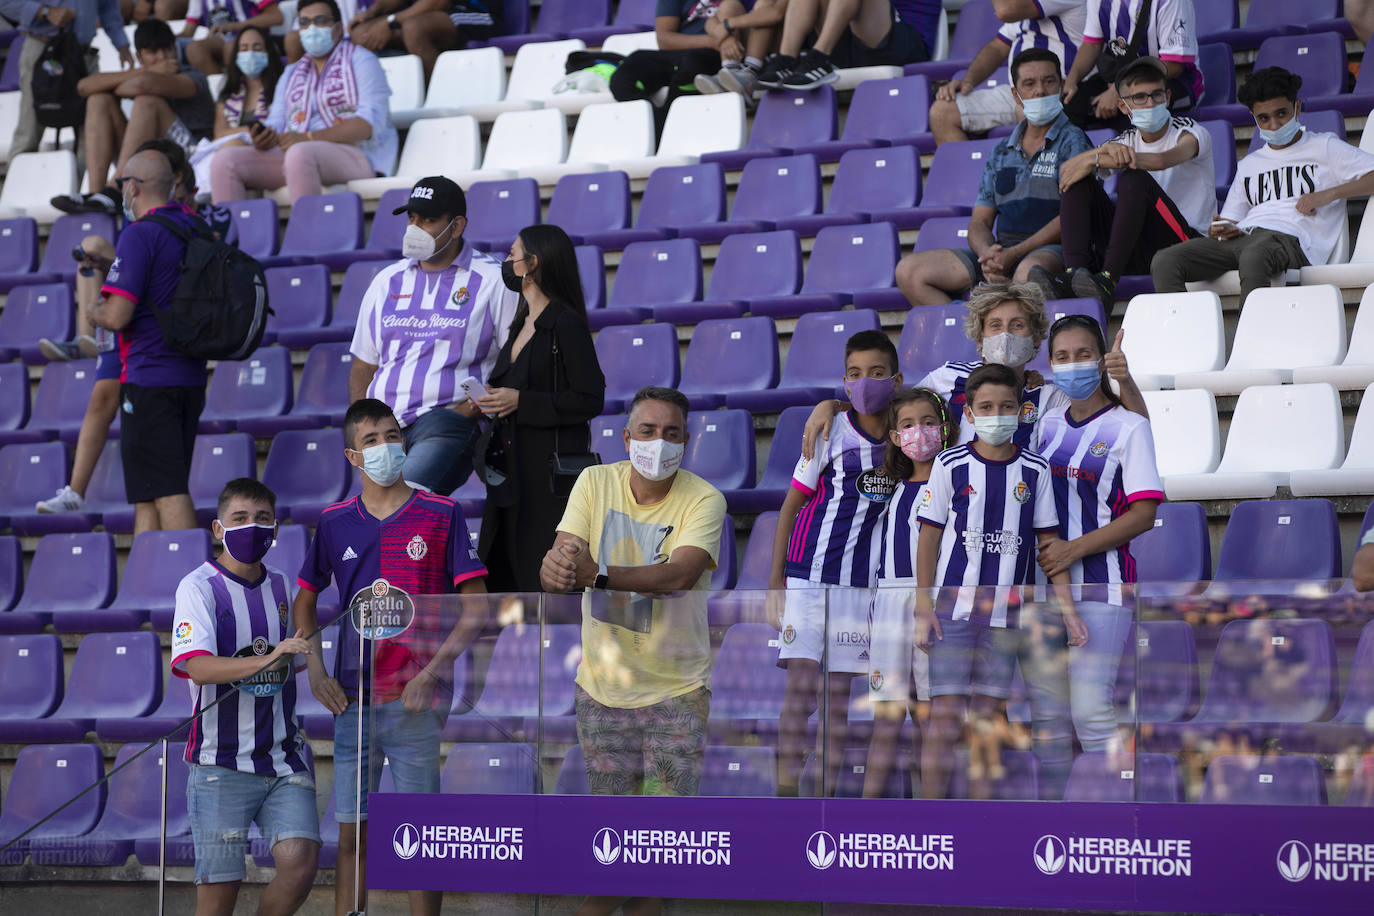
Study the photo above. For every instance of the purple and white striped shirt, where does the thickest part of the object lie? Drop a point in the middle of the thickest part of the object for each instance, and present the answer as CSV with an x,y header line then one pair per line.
x,y
217,613
1059,30
426,331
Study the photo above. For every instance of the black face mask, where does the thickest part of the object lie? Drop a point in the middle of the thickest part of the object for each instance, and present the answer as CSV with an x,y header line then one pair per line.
x,y
513,282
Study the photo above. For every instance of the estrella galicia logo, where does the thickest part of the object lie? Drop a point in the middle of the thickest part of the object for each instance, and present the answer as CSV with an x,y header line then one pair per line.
x,y
405,842
381,611
1050,854
1294,861
606,846
820,850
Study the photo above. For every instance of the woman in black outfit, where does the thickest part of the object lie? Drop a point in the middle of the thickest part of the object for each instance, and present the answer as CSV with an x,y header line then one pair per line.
x,y
546,385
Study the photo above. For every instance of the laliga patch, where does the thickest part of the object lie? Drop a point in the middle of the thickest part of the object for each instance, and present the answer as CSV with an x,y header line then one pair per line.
x,y
876,486
1020,492
381,611
265,683
184,630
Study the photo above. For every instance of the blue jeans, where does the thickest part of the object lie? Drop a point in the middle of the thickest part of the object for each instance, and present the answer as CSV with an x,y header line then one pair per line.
x,y
223,803
408,741
1092,674
439,450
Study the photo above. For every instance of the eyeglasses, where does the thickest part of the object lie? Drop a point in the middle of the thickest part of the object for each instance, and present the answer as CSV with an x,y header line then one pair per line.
x,y
119,182
323,21
1138,99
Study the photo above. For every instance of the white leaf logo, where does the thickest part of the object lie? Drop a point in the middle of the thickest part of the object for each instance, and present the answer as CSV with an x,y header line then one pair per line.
x,y
1050,854
1294,860
405,842
606,846
820,850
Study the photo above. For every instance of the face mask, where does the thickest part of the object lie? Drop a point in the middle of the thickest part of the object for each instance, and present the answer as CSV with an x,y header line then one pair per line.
x,y
921,443
513,282
656,459
251,63
317,40
996,430
382,463
869,395
1008,349
249,543
1284,135
129,215
420,245
1077,380
1043,110
1150,119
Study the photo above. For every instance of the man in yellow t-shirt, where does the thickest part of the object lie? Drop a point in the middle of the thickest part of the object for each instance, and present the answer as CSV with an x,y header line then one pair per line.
x,y
642,536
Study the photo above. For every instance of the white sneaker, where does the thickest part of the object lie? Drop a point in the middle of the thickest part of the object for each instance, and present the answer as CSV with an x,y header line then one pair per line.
x,y
66,500
707,84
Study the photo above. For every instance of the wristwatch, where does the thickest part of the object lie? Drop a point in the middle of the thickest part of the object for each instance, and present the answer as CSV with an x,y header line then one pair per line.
x,y
391,21
725,23
601,582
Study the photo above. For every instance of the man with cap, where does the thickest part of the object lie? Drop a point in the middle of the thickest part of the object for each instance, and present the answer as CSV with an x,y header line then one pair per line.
x,y
1165,188
435,318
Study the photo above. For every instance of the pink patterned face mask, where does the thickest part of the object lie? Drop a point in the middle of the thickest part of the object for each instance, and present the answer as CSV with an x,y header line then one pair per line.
x,y
921,443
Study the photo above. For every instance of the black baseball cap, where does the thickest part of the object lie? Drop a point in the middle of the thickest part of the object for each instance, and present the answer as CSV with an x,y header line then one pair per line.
x,y
1142,66
435,196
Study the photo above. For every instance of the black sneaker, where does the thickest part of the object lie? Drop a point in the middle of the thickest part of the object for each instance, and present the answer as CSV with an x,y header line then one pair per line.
x,y
776,69
1085,284
105,201
812,71
1053,286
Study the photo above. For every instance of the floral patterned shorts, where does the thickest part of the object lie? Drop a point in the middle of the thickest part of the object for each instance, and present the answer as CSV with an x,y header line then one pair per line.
x,y
652,750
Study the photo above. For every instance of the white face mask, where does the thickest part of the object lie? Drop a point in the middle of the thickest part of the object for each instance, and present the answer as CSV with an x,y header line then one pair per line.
x,y
996,430
1008,349
656,459
382,463
419,244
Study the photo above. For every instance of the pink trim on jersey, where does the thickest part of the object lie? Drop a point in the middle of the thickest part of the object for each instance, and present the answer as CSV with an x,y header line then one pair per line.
x,y
802,488
107,289
801,528
176,662
1004,39
1144,494
933,524
1087,40
1178,58
474,574
309,587
343,504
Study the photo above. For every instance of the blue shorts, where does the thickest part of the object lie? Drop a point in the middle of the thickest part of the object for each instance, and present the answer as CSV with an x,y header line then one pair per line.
x,y
439,446
108,365
408,741
223,803
973,658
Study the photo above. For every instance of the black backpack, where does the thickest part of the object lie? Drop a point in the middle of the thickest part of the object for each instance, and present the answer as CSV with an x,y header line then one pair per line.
x,y
219,309
60,67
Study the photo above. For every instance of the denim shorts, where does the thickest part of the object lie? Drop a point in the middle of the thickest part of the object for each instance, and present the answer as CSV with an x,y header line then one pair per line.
x,y
439,446
223,803
973,658
407,741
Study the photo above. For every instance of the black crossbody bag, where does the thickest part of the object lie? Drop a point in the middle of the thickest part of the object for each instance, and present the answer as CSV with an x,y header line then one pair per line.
x,y
565,467
1116,54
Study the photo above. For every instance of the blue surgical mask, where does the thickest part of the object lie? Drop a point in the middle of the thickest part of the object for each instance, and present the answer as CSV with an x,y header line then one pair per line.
x,y
996,430
1284,135
1043,110
382,463
1150,119
317,40
129,215
251,63
1077,380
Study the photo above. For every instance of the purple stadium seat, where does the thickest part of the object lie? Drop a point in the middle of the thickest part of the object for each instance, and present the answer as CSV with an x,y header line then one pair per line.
x,y
607,439
490,769
14,410
9,75
815,362
157,563
356,280
893,112
1218,100
975,26
307,470
300,296
322,398
104,494
498,210
384,235
1100,777
942,232
749,265
1269,780
745,604
783,453
32,312
259,386
651,274
132,811
471,496
30,678
52,589
1216,17
572,774
680,195
1356,103
847,263
729,354
878,185
31,472
1361,790
931,336
11,571
739,772
1353,723
1166,683
60,404
771,190
783,122
556,19
1223,154
747,684
174,710
721,448
952,183
66,233
726,572
510,701
216,460
1021,782
1280,539
314,717
45,778
322,227
1176,554
591,271
591,203
257,224
634,356
19,253
630,16
1318,58
1267,18
850,781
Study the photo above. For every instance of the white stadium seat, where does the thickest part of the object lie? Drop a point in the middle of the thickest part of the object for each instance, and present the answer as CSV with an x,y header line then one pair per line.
x,y
1228,284
464,80
34,178
604,132
1280,329
1356,473
216,83
9,121
696,124
447,146
1275,430
941,51
631,42
519,139
1356,371
1187,438
1360,269
1169,333
537,69
406,77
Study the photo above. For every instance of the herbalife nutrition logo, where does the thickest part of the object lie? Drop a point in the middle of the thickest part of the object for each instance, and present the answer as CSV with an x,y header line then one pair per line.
x,y
1294,860
820,850
1050,855
405,842
606,846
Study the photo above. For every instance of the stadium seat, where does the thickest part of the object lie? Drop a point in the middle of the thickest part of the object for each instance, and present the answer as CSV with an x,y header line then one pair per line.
x,y
607,438
1267,780
651,274
538,67
852,771
770,191
1284,539
1280,329
729,354
64,389
593,202
65,234
1256,461
848,264
217,459
1353,723
782,122
405,77
33,179
881,113
9,111
630,16
46,777
490,769
158,561
942,232
19,253
931,336
307,470
591,268
604,131
466,82
32,313
1102,777
637,355
747,685
1356,473
342,323
1354,104
815,362
739,772
783,452
748,266
174,710
15,410
316,720
259,386
877,185
1187,436
1360,792
572,774
521,140
1170,333
1218,99
1164,664
509,705
951,186
977,22
53,591
300,298
1358,271
1319,58
30,677
498,210
627,43
726,573
1266,18
1020,782
322,227
11,571
451,145
674,196
32,472
721,447
257,225
1176,554
9,74
388,227
696,125
1223,136
322,398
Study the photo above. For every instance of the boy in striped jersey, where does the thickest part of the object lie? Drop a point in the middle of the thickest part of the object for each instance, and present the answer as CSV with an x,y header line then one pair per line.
x,y
247,760
826,552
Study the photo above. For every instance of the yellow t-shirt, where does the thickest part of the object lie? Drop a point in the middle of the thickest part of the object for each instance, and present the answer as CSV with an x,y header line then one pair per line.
x,y
636,650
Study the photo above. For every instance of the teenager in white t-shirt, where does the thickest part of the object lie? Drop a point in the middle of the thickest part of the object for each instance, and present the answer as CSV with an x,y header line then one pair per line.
x,y
1287,204
1165,192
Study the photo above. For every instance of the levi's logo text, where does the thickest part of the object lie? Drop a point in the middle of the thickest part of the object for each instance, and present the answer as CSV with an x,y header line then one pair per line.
x,y
461,842
1281,183
1113,856
1348,862
883,851
643,846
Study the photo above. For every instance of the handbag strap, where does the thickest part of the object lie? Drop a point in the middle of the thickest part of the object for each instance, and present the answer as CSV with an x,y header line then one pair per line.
x,y
1140,29
557,359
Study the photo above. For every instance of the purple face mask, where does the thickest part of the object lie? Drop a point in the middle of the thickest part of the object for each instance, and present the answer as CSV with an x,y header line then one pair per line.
x,y
869,395
249,543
